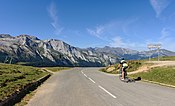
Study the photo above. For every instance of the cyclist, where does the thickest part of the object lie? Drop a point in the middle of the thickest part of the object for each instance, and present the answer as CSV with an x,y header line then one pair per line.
x,y
123,66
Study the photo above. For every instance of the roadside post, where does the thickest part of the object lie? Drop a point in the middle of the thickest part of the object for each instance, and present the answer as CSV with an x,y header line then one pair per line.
x,y
154,46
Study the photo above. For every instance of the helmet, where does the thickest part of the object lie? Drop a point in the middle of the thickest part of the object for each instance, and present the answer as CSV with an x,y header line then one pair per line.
x,y
122,61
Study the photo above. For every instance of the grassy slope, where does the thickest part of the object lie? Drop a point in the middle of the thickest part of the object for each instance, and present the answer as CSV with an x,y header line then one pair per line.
x,y
160,74
15,77
133,65
165,58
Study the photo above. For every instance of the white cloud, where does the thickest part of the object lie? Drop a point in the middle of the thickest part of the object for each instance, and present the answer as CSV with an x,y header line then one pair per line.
x,y
108,32
105,31
120,42
168,43
159,5
128,24
117,42
165,32
98,31
111,29
53,14
166,39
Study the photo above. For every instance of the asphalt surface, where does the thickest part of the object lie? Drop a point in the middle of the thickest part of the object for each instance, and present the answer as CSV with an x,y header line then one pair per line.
x,y
90,87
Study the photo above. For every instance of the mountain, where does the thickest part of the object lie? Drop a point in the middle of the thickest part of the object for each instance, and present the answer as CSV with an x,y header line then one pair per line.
x,y
132,54
115,51
36,52
25,48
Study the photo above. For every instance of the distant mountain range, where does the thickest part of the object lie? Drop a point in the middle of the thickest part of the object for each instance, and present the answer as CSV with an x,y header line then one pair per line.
x,y
33,51
129,54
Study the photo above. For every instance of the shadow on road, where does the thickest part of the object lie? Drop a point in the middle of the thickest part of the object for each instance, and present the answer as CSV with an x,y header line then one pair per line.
x,y
130,80
133,80
138,79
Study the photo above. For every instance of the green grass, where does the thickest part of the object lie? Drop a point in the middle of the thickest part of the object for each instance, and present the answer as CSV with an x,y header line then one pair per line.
x,y
133,65
160,74
164,58
56,69
15,77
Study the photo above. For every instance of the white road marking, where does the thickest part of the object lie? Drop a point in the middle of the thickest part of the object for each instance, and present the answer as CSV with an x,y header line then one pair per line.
x,y
99,85
107,91
85,75
91,80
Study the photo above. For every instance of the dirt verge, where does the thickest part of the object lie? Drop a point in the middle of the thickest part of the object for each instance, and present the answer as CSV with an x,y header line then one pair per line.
x,y
146,67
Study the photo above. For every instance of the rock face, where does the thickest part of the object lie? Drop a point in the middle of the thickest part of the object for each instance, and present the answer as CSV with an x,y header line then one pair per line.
x,y
25,48
31,50
132,54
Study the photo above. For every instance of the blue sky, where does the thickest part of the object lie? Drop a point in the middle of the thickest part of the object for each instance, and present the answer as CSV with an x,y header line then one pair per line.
x,y
93,23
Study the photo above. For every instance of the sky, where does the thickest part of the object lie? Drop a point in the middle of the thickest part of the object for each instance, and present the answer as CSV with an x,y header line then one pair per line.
x,y
129,24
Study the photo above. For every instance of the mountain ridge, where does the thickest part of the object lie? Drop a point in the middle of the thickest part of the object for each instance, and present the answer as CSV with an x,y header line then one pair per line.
x,y
130,54
25,48
53,52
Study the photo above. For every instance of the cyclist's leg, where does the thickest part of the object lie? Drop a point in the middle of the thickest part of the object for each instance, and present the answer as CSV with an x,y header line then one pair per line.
x,y
123,73
120,72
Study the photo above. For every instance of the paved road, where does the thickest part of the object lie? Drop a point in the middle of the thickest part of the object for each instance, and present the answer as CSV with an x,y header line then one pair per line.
x,y
89,87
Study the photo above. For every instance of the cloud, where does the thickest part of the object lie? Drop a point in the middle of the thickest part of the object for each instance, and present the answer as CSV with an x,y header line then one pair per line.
x,y
167,39
111,29
98,31
55,22
165,32
127,25
117,42
101,31
159,5
118,34
120,42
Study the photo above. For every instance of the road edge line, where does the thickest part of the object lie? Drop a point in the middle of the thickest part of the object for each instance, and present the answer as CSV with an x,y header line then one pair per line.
x,y
154,82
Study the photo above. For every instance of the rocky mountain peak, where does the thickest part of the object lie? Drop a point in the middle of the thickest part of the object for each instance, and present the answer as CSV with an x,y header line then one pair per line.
x,y
26,48
5,36
27,36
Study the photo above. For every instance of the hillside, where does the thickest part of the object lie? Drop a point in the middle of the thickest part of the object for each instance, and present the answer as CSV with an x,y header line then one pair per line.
x,y
137,66
14,78
33,51
25,48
